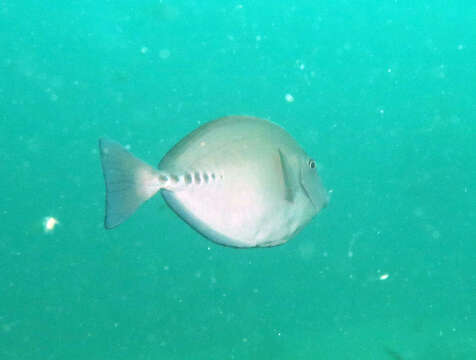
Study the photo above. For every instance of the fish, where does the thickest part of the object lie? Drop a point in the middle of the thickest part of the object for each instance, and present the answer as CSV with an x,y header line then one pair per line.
x,y
240,181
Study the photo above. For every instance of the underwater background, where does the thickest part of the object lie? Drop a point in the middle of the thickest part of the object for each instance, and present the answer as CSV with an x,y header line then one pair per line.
x,y
381,93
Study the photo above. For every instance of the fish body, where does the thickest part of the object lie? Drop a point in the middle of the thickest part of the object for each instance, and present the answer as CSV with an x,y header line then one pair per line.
x,y
240,181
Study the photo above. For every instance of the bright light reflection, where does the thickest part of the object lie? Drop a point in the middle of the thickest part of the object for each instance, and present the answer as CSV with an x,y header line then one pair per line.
x,y
49,224
384,277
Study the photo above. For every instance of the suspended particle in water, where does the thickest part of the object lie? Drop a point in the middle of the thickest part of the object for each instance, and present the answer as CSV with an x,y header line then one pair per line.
x,y
289,98
49,224
384,276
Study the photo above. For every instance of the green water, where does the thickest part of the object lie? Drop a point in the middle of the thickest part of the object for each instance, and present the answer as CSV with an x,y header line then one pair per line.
x,y
384,99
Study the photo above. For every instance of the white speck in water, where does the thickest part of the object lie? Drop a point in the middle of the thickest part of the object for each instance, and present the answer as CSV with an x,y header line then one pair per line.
x,y
389,70
460,47
300,65
381,111
384,276
49,223
144,49
289,98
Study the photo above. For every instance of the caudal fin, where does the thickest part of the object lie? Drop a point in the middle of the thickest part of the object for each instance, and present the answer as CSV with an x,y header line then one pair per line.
x,y
129,182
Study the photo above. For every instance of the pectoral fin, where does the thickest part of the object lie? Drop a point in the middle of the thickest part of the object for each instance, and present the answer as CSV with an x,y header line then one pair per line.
x,y
286,173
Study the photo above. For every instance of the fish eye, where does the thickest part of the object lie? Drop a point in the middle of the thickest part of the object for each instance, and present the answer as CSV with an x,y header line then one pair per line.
x,y
312,164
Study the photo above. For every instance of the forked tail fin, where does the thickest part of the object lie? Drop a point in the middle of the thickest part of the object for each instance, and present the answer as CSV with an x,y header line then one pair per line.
x,y
129,182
